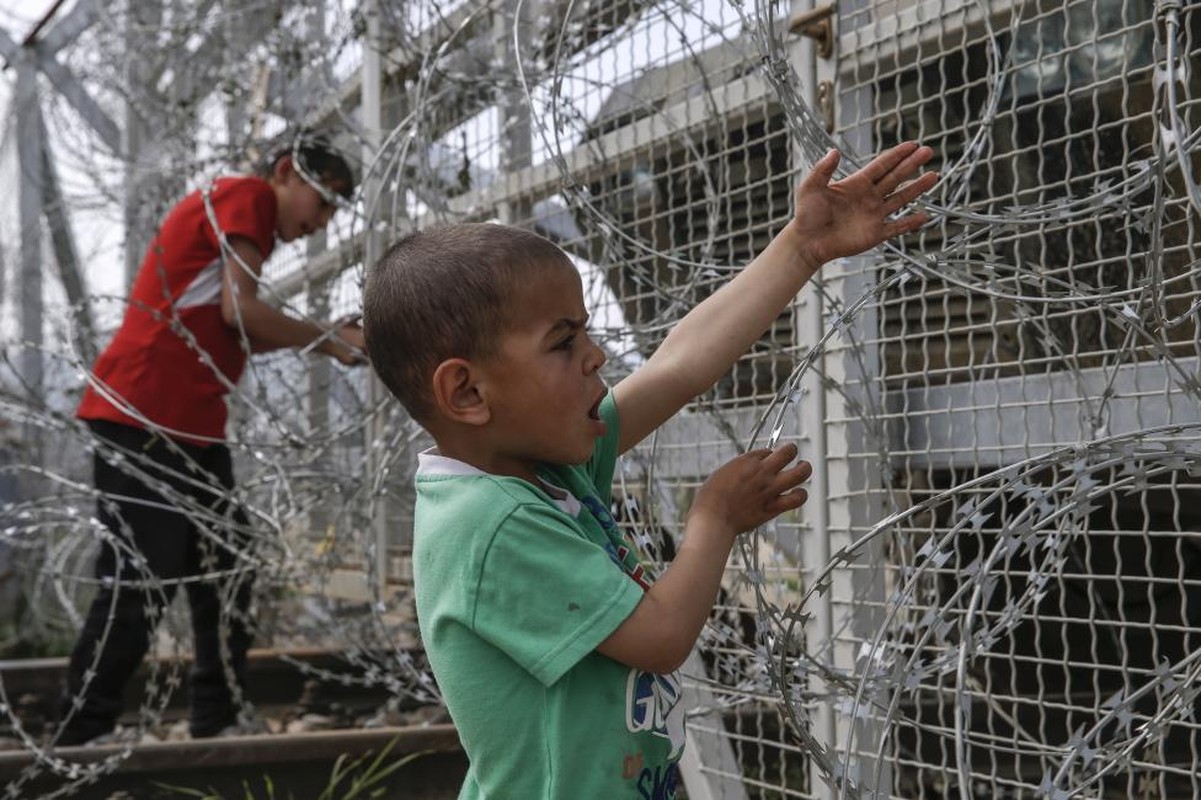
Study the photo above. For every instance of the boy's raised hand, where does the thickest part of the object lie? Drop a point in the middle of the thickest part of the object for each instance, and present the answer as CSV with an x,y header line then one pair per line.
x,y
832,219
846,217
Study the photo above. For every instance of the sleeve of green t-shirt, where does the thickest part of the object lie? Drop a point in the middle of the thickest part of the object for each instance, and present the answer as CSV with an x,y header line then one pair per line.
x,y
547,596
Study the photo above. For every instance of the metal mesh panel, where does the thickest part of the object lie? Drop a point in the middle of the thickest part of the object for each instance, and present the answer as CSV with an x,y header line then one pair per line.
x,y
1027,621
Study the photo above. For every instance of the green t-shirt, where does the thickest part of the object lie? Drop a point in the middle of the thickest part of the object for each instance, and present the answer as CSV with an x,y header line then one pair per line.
x,y
516,586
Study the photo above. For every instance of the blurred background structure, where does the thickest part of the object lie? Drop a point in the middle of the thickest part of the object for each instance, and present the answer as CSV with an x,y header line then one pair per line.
x,y
995,588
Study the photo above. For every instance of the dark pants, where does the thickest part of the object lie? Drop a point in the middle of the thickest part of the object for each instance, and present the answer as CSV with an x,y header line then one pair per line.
x,y
171,540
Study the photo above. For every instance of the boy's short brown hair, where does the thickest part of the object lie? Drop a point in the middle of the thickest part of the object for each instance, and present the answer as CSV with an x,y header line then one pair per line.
x,y
442,293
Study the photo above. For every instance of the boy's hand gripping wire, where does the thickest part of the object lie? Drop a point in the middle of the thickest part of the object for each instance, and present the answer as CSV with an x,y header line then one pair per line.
x,y
352,354
750,490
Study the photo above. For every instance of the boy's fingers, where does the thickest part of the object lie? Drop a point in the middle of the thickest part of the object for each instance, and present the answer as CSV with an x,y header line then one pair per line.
x,y
884,163
801,472
787,501
904,170
823,170
910,163
910,222
791,477
777,459
910,192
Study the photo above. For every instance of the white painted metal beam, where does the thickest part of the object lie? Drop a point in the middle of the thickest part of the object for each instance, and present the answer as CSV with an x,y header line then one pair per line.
x,y
65,252
29,191
74,93
81,17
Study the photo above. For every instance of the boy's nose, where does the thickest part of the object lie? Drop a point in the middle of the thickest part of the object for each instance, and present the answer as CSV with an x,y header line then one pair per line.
x,y
598,357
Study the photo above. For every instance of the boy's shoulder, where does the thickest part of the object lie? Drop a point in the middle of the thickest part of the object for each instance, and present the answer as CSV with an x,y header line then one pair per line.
x,y
250,187
451,494
464,522
227,194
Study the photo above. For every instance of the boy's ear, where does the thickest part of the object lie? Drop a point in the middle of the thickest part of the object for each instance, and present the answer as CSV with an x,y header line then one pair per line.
x,y
283,168
457,395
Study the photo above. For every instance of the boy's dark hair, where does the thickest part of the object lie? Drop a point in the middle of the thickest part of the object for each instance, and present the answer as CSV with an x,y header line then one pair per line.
x,y
445,293
314,155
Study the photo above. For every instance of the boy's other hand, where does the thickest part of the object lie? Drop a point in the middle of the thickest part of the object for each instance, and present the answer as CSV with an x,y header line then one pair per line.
x,y
846,217
752,489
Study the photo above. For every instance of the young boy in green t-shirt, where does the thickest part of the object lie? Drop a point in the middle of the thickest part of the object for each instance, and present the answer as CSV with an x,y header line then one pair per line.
x,y
555,654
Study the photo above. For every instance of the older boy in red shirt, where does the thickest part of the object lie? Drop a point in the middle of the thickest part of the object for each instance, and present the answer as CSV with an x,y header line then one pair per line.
x,y
155,402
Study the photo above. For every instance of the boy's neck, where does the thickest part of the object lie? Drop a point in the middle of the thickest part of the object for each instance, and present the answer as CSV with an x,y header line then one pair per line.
x,y
474,448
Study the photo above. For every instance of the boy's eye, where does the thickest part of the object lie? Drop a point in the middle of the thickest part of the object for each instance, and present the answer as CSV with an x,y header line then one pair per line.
x,y
566,343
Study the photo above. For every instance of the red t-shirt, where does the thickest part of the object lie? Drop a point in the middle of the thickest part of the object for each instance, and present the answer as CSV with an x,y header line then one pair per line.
x,y
148,366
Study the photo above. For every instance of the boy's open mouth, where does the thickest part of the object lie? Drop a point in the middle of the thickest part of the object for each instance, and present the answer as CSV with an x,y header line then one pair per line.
x,y
594,412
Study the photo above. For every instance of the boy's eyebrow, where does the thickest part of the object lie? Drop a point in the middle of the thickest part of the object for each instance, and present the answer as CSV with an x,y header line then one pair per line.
x,y
568,323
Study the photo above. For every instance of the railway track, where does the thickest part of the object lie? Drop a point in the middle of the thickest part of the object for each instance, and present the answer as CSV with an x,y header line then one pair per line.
x,y
285,686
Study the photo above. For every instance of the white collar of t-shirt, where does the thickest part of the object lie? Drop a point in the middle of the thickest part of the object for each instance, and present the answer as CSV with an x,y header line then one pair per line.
x,y
431,462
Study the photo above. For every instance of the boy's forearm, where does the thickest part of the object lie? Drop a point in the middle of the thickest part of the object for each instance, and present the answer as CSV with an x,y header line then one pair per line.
x,y
266,327
709,339
269,329
707,342
663,629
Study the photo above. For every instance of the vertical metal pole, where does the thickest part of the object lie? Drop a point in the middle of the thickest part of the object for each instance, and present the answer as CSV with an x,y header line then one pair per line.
x,y
315,31
317,292
238,35
516,133
144,197
372,99
30,193
4,253
854,479
66,254
319,374
131,141
815,546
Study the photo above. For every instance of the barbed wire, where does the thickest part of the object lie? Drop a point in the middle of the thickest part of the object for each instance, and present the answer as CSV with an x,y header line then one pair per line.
x,y
568,76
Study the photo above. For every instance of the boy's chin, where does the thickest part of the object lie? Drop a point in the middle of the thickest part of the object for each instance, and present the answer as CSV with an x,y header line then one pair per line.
x,y
569,453
585,455
565,459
